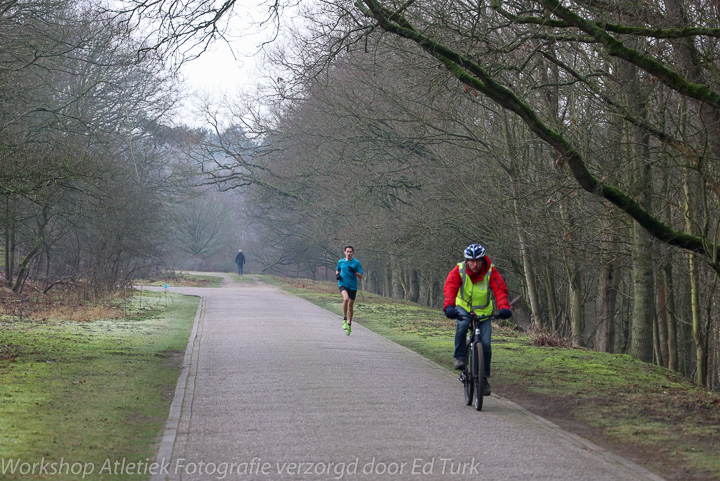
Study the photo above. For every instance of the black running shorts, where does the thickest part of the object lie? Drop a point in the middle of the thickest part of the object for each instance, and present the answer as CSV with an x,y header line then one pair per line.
x,y
351,292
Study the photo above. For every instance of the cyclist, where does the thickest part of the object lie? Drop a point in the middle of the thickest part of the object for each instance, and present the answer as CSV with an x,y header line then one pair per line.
x,y
467,289
347,272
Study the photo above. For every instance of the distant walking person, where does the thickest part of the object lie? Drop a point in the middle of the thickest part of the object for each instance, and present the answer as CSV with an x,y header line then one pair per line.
x,y
240,261
347,272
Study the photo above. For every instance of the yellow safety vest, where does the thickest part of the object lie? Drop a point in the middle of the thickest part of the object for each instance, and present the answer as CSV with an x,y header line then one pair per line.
x,y
474,297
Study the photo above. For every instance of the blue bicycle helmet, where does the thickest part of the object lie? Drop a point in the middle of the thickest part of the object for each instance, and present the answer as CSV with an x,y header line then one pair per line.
x,y
474,251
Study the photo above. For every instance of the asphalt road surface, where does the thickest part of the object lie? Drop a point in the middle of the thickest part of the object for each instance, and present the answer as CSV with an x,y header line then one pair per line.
x,y
273,389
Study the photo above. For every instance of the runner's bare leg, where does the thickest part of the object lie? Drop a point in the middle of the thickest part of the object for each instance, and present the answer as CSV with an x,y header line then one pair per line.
x,y
346,304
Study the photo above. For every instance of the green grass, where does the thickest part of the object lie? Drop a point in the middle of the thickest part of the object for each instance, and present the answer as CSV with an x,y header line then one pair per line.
x,y
646,413
181,279
90,392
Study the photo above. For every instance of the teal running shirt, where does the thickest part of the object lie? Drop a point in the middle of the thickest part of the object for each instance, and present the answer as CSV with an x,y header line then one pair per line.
x,y
349,279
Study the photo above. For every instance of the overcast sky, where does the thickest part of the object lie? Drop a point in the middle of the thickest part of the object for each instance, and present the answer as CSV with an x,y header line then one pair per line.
x,y
222,69
218,74
228,68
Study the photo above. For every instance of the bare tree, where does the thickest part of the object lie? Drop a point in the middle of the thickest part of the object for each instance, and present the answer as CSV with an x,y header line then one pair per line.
x,y
76,103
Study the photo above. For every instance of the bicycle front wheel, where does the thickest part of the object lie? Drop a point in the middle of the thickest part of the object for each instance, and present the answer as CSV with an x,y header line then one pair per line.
x,y
467,374
478,375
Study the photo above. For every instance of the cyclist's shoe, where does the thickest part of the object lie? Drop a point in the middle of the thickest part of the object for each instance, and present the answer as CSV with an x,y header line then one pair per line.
x,y
486,391
345,325
459,363
349,329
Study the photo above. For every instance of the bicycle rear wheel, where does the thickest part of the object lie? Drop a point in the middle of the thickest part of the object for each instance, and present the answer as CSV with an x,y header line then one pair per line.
x,y
467,374
478,375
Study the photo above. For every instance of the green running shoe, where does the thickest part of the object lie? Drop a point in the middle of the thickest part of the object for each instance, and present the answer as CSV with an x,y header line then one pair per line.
x,y
349,328
345,325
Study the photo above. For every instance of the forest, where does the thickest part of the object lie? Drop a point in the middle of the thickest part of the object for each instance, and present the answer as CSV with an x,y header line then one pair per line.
x,y
577,141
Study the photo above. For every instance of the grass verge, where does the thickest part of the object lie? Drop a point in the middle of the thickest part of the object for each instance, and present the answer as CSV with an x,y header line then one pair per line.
x,y
182,279
644,413
79,398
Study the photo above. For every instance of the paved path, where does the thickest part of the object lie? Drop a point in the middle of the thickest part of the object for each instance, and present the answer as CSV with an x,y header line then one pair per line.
x,y
273,389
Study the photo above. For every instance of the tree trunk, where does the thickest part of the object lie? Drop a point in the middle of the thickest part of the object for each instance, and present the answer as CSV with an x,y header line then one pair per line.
x,y
700,353
9,260
24,270
397,287
370,282
387,282
9,242
553,311
671,318
511,143
575,293
576,311
643,314
661,337
608,284
413,285
530,283
697,328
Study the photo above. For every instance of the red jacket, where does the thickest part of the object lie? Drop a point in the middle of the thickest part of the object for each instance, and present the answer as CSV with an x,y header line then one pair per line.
x,y
497,285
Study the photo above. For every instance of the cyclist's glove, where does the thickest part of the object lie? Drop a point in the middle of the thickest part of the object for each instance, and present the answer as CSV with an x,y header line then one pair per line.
x,y
505,313
338,276
351,269
451,312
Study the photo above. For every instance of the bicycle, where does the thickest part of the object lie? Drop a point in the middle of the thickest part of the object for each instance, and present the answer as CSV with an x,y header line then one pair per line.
x,y
473,375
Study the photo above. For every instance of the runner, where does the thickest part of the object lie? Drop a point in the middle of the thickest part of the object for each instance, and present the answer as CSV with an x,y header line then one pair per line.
x,y
347,272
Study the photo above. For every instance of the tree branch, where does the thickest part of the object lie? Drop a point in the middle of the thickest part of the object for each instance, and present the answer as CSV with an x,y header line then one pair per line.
x,y
475,76
616,48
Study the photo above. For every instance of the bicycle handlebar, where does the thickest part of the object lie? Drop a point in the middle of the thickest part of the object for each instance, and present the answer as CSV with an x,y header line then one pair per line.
x,y
489,317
